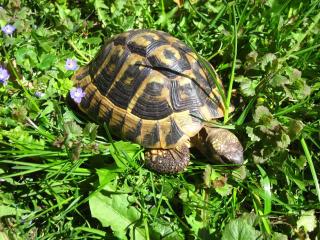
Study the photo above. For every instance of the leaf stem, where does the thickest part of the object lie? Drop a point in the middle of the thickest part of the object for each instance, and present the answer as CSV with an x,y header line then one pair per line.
x,y
306,50
78,51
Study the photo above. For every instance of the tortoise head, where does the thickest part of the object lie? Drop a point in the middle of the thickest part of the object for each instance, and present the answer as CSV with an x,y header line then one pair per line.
x,y
220,145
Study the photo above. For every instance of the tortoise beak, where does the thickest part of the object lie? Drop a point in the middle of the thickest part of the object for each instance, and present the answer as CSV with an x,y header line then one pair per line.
x,y
234,157
230,152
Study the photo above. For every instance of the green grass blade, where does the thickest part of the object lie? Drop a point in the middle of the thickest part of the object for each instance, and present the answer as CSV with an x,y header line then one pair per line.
x,y
246,111
265,183
235,50
91,230
312,169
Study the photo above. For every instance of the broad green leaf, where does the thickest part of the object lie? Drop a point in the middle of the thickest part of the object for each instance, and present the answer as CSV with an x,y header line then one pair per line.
x,y
240,173
117,7
301,162
240,229
279,80
224,190
48,109
290,170
23,139
165,230
72,129
295,128
219,183
195,222
46,61
174,235
262,114
252,57
165,18
249,218
298,87
101,10
93,40
268,60
113,210
188,196
168,190
26,57
64,15
20,113
247,86
90,130
298,90
124,153
251,135
106,176
307,221
63,86
284,141
10,211
293,73
278,236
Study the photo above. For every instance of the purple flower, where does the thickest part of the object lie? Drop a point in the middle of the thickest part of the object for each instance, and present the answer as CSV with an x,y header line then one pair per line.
x,y
77,94
71,64
39,94
4,75
8,29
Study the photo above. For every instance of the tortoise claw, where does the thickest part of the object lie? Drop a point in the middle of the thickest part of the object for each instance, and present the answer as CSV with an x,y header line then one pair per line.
x,y
167,160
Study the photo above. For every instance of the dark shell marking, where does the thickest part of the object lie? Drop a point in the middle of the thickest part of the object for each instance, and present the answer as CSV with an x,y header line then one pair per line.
x,y
150,88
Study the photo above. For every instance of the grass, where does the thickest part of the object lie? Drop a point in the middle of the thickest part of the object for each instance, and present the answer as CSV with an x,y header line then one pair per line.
x,y
65,178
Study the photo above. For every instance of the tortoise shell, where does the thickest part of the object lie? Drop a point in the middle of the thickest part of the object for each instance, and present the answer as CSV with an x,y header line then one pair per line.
x,y
150,88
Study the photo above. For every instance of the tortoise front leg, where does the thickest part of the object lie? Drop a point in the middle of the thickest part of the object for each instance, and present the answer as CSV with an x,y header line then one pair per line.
x,y
168,160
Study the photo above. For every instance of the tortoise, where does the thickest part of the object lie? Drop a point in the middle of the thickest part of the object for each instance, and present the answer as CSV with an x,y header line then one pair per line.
x,y
151,88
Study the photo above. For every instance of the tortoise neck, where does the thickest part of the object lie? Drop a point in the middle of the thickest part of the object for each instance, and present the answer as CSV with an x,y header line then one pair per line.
x,y
200,141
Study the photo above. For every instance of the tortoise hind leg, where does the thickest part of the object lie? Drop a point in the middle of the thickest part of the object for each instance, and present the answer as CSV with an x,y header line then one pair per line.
x,y
168,160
